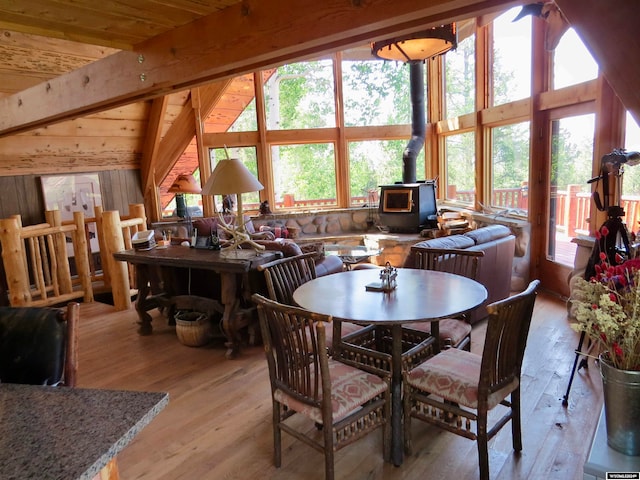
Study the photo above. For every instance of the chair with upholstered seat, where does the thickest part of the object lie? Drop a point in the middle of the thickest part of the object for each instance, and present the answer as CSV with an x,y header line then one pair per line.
x,y
454,332
284,275
456,389
345,401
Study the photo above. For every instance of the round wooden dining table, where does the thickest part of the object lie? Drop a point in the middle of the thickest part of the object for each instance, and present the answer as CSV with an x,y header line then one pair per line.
x,y
420,295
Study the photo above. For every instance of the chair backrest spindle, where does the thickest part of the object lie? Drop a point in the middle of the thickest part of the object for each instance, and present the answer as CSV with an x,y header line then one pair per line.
x,y
284,275
459,261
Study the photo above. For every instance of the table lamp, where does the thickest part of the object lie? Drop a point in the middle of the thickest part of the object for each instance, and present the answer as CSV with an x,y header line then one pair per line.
x,y
231,176
184,183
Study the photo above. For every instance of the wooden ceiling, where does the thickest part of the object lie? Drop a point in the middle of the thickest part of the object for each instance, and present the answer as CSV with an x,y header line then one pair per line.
x,y
160,46
108,23
70,59
172,46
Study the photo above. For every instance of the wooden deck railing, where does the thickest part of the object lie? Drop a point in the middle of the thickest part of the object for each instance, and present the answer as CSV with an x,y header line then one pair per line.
x,y
572,206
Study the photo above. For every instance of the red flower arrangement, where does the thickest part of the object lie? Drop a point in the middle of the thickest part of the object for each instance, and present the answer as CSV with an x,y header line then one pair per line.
x,y
607,309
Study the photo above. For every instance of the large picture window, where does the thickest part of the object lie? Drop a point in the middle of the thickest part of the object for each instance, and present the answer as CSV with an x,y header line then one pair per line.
x,y
461,167
460,79
250,200
375,92
572,62
511,57
510,167
301,95
304,175
374,163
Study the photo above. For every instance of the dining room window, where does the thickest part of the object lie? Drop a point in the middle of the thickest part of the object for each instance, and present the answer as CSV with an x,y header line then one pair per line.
x,y
511,66
572,62
301,95
510,167
375,92
375,162
460,79
304,175
460,167
250,200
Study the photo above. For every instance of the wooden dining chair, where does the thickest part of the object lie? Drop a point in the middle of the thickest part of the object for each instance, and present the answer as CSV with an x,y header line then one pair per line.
x,y
347,402
39,346
284,275
454,332
456,389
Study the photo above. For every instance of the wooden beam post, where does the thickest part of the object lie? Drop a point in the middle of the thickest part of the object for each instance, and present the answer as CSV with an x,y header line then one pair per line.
x,y
113,241
13,258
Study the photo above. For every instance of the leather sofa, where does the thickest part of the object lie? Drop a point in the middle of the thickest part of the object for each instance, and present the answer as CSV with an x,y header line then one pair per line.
x,y
494,271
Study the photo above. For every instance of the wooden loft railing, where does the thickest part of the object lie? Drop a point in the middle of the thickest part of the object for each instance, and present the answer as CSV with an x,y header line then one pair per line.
x,y
115,233
36,262
40,270
130,225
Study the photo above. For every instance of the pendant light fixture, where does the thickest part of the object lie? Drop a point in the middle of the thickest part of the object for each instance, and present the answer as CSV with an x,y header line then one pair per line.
x,y
418,46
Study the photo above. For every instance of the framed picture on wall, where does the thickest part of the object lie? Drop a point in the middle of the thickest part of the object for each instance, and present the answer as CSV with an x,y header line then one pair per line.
x,y
73,193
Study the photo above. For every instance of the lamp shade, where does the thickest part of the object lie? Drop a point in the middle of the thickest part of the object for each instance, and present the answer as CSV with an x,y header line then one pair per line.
x,y
417,47
185,183
231,176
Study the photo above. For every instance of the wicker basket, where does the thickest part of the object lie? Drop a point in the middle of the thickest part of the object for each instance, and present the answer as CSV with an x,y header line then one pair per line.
x,y
193,328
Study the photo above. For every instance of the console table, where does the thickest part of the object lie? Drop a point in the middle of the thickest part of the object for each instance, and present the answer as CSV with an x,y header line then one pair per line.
x,y
160,278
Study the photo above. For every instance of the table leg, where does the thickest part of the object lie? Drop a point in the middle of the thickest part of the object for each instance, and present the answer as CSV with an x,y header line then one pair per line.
x,y
150,296
142,305
230,298
396,396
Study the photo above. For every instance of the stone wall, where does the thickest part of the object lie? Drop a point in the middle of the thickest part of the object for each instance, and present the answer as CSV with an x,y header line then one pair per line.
x,y
314,224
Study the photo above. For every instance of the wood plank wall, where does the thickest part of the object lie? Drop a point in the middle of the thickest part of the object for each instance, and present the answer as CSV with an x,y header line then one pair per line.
x,y
23,194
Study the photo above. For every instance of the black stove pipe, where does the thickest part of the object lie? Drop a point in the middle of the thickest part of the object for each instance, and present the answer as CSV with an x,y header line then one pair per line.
x,y
418,126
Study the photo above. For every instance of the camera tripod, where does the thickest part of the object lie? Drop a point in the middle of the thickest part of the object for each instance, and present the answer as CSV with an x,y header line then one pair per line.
x,y
616,245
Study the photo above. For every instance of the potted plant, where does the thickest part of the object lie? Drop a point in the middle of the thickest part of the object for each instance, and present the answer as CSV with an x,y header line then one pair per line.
x,y
607,309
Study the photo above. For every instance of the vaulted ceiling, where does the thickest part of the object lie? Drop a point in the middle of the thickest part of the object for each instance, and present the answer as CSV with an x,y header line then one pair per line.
x,y
168,46
112,56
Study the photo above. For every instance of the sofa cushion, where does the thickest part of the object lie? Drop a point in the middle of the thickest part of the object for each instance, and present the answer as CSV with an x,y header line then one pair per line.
x,y
452,241
328,265
488,233
287,247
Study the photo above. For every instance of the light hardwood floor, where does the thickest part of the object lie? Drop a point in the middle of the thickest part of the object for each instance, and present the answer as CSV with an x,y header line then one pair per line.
x,y
218,421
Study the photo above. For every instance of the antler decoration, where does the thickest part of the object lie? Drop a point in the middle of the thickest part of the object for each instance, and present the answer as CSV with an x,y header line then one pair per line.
x,y
238,235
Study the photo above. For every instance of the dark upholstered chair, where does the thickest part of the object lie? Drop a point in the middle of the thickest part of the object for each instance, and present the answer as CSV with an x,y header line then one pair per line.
x,y
456,389
38,345
284,275
454,332
347,402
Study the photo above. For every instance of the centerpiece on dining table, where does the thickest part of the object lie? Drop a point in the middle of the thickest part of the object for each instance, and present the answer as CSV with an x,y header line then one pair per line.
x,y
607,310
388,280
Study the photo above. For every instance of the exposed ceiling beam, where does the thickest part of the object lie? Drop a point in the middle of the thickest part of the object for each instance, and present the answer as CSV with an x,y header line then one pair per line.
x,y
183,129
233,41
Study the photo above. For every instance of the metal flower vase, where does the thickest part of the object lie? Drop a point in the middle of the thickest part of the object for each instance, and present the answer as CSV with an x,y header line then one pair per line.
x,y
621,390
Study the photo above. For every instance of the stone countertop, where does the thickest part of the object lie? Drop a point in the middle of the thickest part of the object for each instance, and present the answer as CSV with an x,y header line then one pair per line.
x,y
68,433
